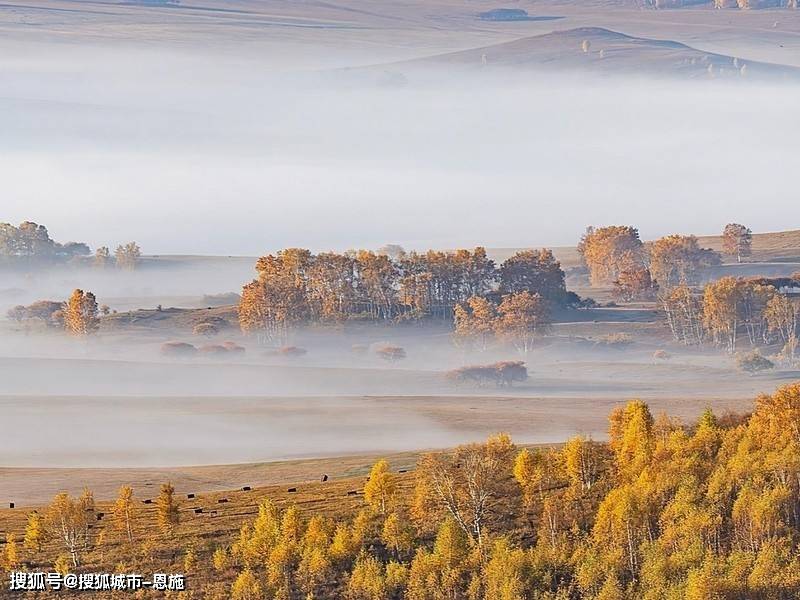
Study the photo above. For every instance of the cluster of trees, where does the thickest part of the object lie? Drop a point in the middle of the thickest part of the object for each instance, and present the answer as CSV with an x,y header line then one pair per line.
x,y
295,287
67,524
520,319
730,309
616,256
663,510
30,244
79,315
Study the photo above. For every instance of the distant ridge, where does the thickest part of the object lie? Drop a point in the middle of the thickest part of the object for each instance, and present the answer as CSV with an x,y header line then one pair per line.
x,y
602,51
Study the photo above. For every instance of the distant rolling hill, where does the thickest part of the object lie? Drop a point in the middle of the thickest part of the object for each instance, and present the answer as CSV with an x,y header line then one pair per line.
x,y
600,51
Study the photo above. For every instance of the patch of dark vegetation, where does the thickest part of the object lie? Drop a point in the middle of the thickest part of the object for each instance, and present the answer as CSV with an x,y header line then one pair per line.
x,y
178,349
502,374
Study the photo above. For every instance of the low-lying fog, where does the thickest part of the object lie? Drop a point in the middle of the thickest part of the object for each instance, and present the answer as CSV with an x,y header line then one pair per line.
x,y
116,401
216,154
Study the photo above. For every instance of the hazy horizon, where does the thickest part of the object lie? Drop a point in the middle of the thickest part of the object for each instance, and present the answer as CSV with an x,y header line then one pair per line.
x,y
204,155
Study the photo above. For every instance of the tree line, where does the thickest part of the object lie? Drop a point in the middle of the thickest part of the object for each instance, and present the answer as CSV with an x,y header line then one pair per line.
x,y
295,287
616,256
29,244
731,309
701,511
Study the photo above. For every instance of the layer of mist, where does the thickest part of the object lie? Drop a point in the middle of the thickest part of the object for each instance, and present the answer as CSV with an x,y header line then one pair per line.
x,y
205,154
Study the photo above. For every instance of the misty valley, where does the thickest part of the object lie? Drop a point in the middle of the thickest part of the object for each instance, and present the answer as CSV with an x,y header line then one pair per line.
x,y
420,300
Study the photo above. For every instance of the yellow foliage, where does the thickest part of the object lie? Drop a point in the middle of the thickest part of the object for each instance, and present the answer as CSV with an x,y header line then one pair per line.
x,y
380,489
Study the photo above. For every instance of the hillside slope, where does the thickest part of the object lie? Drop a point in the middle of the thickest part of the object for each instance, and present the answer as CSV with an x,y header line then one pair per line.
x,y
603,52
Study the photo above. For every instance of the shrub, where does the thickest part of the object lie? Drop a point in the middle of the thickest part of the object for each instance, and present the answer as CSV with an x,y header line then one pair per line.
x,y
391,353
178,349
753,362
205,329
223,350
510,371
292,351
233,347
48,312
17,313
661,355
503,373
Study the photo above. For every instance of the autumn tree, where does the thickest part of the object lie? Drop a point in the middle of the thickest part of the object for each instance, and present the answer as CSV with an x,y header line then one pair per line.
x,y
466,484
737,241
277,301
634,284
127,256
536,472
102,258
123,511
68,520
246,587
523,317
80,313
35,532
583,460
608,251
367,581
781,314
380,487
679,259
631,438
397,534
376,284
507,574
534,271
721,311
474,322
10,552
683,309
167,508
331,286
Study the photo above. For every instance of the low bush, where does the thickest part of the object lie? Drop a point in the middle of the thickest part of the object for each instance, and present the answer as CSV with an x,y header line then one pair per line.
x,y
178,349
391,353
502,374
292,351
753,362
